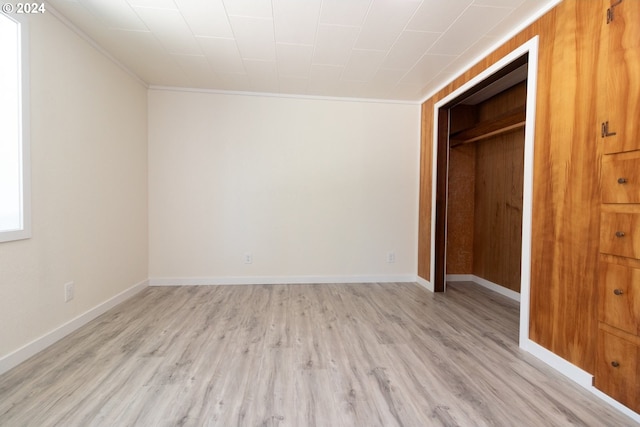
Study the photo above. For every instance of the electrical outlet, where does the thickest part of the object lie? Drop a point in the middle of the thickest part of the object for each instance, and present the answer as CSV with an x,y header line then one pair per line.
x,y
248,258
391,257
69,291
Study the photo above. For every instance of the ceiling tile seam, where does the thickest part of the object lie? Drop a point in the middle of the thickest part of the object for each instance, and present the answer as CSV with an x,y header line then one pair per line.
x,y
212,69
315,45
364,20
283,95
129,30
80,33
166,48
419,59
449,27
530,20
388,51
235,39
275,46
153,8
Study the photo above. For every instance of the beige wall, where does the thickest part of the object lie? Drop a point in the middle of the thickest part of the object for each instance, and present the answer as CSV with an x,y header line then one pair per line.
x,y
89,201
314,189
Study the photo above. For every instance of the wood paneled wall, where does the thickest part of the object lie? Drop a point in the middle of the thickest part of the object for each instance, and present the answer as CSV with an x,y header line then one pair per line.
x,y
566,194
497,237
461,209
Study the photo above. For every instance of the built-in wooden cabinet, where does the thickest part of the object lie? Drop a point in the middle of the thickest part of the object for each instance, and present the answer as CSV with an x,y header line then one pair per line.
x,y
617,370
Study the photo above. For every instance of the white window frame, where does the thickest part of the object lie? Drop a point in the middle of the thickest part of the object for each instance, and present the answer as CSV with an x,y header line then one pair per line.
x,y
24,231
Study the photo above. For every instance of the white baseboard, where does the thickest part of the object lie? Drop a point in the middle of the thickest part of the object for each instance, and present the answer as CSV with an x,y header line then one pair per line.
x,y
275,280
425,284
484,283
569,370
579,376
28,350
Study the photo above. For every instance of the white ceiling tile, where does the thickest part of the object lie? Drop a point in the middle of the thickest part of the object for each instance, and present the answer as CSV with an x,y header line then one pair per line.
x,y
254,67
388,77
527,8
322,88
145,56
499,3
197,69
223,54
159,4
408,92
322,72
294,60
115,14
426,68
384,23
351,89
296,21
474,23
409,48
263,75
254,37
341,12
334,44
354,48
198,63
437,15
171,29
363,65
293,85
253,8
233,81
206,17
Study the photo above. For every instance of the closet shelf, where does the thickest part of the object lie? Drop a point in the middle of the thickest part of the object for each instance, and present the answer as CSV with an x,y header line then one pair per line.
x,y
512,120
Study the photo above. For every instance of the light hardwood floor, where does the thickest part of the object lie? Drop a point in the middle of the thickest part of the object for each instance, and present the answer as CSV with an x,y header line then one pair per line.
x,y
298,355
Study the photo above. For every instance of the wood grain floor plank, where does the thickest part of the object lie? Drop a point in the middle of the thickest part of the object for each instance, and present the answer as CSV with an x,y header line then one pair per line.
x,y
298,355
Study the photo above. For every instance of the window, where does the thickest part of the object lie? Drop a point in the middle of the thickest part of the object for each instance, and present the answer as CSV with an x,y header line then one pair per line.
x,y
15,218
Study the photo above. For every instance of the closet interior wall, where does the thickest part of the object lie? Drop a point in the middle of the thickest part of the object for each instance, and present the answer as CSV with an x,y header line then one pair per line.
x,y
484,207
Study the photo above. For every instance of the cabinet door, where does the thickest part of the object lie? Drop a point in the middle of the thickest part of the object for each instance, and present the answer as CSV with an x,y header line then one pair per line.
x,y
619,303
623,78
620,234
621,178
618,370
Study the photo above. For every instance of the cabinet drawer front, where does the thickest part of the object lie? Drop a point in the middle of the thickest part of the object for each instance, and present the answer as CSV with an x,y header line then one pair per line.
x,y
621,180
620,234
619,304
617,369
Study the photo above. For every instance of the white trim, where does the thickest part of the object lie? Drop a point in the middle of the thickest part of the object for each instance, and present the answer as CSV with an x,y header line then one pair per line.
x,y
460,277
424,283
485,284
86,37
275,280
530,47
617,405
569,370
24,232
527,188
574,373
28,350
282,95
463,69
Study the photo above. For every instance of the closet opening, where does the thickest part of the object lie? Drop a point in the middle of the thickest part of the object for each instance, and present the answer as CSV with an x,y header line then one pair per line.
x,y
480,182
482,189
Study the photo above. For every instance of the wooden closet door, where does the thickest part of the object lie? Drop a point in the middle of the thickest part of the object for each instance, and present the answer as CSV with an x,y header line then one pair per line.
x,y
623,77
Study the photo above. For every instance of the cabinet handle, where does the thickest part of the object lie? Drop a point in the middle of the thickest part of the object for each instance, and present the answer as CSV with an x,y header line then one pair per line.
x,y
618,291
622,180
615,364
619,233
